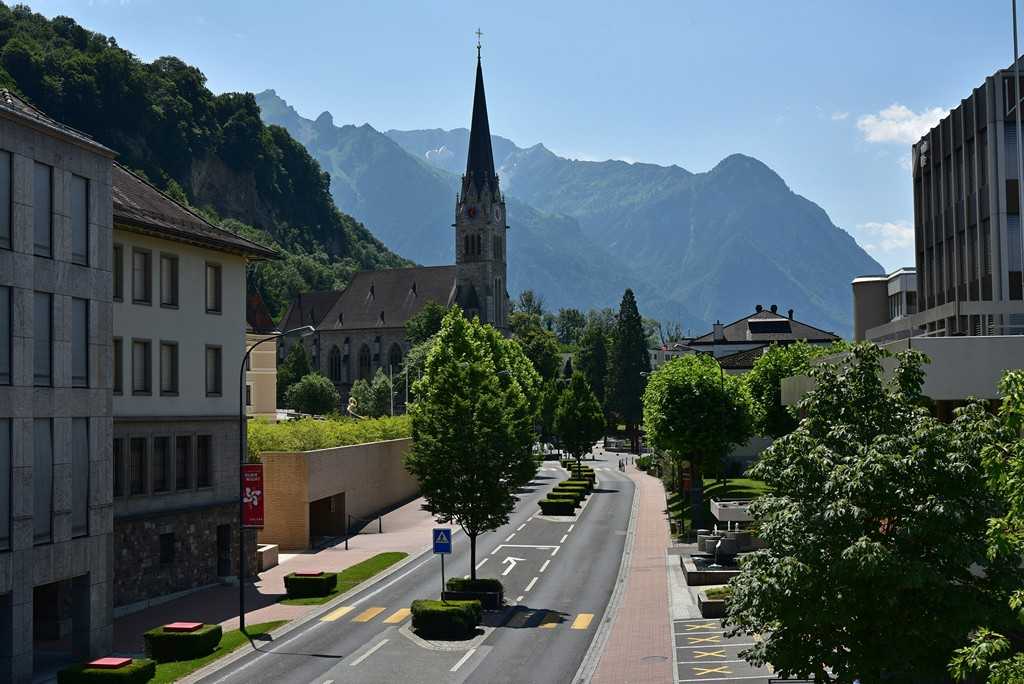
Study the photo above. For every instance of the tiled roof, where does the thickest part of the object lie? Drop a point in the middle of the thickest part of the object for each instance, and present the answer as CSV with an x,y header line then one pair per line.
x,y
766,326
309,308
742,360
11,103
388,298
141,207
257,318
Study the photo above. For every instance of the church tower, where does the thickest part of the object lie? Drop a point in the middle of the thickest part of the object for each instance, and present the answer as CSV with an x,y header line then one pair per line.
x,y
480,228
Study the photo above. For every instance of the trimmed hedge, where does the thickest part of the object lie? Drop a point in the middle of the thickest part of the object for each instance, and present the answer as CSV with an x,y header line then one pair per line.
x,y
479,584
585,483
163,646
557,507
309,586
139,671
445,619
577,495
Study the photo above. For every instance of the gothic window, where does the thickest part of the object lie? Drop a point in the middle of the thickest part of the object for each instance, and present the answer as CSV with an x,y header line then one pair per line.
x,y
465,245
364,362
394,358
334,363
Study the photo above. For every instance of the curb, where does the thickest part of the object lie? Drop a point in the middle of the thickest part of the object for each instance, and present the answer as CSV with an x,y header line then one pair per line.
x,y
591,659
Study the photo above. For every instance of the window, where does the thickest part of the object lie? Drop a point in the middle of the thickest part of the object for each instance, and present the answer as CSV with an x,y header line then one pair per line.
x,y
137,465
395,358
5,203
42,479
248,395
168,280
213,284
79,220
213,372
141,276
166,548
204,461
142,367
118,267
79,342
79,477
5,337
183,462
5,483
161,464
118,366
42,327
364,363
42,210
119,467
168,368
334,363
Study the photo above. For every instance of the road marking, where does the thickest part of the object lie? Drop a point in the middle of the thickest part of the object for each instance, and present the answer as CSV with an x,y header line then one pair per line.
x,y
722,679
714,639
328,681
701,662
582,621
509,537
520,618
481,563
519,598
545,565
463,659
720,653
721,669
335,614
511,563
564,537
520,527
368,614
550,620
710,626
397,616
530,585
570,527
368,653
731,643
555,552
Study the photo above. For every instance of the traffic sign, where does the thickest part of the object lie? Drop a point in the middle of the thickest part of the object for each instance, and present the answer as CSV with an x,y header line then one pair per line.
x,y
442,540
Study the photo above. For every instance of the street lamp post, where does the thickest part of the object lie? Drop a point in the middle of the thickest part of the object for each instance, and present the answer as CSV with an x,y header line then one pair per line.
x,y
303,331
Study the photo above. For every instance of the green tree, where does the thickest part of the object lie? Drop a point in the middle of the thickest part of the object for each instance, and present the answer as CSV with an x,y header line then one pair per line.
x,y
473,427
314,394
592,360
294,367
551,391
425,323
530,303
539,345
569,325
695,413
875,515
629,363
778,362
991,654
372,398
578,419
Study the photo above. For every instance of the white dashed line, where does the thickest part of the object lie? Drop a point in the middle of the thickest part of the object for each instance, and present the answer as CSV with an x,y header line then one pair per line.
x,y
368,653
545,565
520,527
481,563
463,659
555,552
530,585
509,537
564,537
570,527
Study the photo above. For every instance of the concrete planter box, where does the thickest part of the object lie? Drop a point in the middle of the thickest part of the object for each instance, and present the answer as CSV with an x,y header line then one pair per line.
x,y
489,600
267,554
710,608
700,577
731,511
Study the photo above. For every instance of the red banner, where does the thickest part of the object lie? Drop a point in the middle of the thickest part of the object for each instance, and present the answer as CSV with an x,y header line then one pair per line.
x,y
252,495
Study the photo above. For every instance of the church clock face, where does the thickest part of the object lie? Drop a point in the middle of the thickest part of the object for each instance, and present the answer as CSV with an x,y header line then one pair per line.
x,y
471,212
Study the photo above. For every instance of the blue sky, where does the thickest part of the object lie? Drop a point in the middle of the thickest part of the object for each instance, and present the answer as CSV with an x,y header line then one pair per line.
x,y
828,94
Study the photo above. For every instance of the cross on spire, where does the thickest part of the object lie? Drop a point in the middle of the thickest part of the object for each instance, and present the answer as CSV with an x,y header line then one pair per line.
x,y
478,34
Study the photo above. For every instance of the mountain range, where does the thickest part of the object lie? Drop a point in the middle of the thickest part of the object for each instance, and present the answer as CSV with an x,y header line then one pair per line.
x,y
695,247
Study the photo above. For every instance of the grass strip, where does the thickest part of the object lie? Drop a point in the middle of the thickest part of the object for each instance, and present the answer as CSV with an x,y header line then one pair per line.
x,y
173,671
351,577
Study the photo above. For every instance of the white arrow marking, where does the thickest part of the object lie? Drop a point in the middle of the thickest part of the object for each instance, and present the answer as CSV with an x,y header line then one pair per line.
x,y
511,564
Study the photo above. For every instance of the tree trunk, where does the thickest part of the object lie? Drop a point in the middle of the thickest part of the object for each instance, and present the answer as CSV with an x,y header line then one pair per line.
x,y
472,555
696,495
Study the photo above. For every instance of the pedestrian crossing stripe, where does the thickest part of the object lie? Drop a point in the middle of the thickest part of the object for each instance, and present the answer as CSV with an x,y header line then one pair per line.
x,y
398,616
368,614
521,618
582,621
339,613
550,620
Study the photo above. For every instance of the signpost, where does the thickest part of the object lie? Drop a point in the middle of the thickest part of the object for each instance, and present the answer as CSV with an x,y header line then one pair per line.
x,y
252,495
442,540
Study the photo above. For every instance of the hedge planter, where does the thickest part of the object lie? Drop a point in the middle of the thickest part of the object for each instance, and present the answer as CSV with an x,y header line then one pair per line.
x,y
710,607
138,671
164,645
310,586
575,494
488,592
586,484
445,619
557,507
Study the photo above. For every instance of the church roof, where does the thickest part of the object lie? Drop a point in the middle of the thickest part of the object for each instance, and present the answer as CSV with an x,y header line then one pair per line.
x,y
257,318
388,298
480,160
766,326
309,308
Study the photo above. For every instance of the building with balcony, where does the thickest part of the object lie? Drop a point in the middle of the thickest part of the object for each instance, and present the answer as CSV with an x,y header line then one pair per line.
x,y
884,306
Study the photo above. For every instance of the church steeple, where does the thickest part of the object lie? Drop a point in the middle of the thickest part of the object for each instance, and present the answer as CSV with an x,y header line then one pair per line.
x,y
480,160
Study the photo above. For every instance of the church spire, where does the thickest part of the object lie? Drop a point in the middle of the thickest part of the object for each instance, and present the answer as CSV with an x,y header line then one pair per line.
x,y
480,161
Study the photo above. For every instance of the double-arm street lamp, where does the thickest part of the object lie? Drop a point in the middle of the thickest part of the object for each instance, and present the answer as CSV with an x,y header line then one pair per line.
x,y
302,331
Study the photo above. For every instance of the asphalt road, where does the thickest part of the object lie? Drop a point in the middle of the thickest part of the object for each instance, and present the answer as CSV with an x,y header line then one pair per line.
x,y
558,579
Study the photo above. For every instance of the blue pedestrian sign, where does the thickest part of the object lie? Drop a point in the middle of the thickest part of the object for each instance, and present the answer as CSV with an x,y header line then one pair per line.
x,y
442,540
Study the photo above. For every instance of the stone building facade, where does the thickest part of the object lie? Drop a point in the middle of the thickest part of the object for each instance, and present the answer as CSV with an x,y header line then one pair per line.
x,y
55,383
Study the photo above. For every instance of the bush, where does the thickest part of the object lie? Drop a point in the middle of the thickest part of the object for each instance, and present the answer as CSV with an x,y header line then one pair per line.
x,y
314,394
163,646
309,586
577,495
139,671
718,593
480,584
551,506
585,483
445,619
645,463
308,433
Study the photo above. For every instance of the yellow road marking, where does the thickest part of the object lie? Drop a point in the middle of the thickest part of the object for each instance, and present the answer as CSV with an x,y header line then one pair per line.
x,y
706,626
720,653
368,614
335,614
520,618
701,671
550,620
397,616
582,620
713,639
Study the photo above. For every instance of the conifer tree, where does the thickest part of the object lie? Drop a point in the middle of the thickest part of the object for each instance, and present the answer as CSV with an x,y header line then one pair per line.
x,y
629,365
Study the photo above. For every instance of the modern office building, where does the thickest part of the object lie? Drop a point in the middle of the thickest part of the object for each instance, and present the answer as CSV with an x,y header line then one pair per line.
x,y
884,306
55,383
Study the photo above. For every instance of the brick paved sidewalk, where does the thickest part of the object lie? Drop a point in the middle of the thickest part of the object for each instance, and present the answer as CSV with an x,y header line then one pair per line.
x,y
405,529
639,650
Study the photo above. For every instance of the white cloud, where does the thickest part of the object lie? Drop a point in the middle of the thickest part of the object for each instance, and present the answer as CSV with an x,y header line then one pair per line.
x,y
899,124
840,116
882,237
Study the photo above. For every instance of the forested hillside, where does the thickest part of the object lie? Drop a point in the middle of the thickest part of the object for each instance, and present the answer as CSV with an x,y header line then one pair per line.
x,y
212,150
